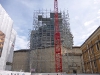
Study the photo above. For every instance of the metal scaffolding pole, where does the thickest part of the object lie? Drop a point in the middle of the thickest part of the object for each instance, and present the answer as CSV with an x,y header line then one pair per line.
x,y
42,39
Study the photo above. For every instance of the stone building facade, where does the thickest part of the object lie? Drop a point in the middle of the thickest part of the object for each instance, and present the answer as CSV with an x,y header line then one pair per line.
x,y
91,53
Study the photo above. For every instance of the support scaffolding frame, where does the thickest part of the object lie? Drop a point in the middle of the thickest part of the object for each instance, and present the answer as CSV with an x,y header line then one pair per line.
x,y
42,38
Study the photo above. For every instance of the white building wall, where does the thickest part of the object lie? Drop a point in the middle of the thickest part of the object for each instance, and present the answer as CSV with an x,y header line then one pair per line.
x,y
11,49
6,27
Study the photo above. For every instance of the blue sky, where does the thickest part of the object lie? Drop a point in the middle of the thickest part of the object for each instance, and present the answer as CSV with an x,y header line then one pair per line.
x,y
84,17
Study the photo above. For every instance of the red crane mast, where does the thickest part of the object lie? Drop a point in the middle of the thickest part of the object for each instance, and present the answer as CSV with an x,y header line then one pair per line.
x,y
57,40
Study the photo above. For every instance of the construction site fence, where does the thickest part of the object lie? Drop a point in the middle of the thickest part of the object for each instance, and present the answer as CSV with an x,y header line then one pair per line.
x,y
28,73
60,74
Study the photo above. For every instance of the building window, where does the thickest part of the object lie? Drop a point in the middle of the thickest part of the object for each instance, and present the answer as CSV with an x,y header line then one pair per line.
x,y
95,64
74,71
91,50
97,46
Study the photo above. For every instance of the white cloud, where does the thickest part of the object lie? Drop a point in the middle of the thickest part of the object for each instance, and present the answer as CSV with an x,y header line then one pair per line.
x,y
29,4
98,17
98,12
95,2
92,28
88,23
76,17
21,42
18,29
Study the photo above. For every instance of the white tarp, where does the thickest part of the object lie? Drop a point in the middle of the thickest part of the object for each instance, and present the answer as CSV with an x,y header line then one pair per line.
x,y
11,49
6,24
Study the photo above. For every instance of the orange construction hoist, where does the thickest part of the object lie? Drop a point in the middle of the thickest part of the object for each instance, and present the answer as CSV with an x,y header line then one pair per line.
x,y
57,40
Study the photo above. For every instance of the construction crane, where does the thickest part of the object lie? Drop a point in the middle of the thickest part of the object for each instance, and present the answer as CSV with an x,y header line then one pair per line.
x,y
57,40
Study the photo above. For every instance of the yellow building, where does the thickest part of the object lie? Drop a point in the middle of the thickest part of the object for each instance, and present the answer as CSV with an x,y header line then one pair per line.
x,y
91,53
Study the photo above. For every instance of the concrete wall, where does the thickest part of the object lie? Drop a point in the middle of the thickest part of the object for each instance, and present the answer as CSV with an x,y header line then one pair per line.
x,y
21,61
43,60
72,60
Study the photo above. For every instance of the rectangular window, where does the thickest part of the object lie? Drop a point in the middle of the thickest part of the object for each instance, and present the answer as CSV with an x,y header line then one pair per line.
x,y
95,65
91,50
97,46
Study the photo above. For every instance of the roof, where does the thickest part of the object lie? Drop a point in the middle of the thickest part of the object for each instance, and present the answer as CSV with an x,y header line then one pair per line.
x,y
90,35
76,47
22,50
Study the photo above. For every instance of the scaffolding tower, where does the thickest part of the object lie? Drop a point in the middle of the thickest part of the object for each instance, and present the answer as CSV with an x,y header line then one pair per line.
x,y
42,38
